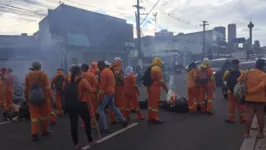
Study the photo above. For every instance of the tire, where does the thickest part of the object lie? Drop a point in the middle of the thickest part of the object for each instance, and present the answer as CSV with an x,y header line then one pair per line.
x,y
18,89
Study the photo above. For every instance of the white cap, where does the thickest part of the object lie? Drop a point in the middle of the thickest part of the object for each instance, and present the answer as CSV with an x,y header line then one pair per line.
x,y
107,63
206,59
117,59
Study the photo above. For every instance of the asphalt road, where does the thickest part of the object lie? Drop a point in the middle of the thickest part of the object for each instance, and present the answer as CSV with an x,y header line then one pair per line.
x,y
179,132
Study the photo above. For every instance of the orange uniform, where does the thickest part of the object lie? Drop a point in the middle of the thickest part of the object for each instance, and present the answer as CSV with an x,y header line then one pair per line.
x,y
119,89
207,89
154,90
107,83
193,92
38,112
131,93
84,88
255,85
255,96
3,95
58,94
232,103
94,68
93,102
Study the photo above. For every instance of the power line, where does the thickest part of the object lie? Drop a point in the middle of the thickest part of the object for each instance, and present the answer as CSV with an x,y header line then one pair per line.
x,y
150,11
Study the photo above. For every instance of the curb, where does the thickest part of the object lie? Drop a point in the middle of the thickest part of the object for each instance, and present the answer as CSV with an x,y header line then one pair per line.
x,y
253,143
249,143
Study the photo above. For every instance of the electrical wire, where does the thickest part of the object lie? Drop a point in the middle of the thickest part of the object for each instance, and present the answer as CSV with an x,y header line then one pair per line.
x,y
150,11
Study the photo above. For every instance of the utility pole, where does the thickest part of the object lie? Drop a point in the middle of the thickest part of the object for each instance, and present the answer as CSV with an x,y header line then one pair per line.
x,y
138,7
205,23
155,21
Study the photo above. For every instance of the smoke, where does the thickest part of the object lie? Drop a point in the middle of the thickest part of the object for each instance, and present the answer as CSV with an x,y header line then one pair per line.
x,y
171,87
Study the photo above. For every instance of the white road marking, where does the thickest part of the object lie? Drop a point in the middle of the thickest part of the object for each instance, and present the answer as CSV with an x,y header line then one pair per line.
x,y
111,135
1,123
249,143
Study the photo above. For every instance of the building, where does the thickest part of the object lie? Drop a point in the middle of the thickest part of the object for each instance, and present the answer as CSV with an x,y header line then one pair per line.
x,y
17,52
78,36
221,30
188,46
231,33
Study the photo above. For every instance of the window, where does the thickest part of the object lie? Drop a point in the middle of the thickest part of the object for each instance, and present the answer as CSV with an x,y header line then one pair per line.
x,y
217,63
245,66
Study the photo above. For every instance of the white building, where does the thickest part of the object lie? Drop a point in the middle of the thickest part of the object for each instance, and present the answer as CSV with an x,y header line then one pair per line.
x,y
187,43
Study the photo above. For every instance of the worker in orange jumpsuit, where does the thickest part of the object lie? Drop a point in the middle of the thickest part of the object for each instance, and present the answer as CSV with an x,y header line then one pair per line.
x,y
120,103
58,81
94,68
131,93
206,85
154,91
3,80
10,89
229,75
92,97
38,112
193,94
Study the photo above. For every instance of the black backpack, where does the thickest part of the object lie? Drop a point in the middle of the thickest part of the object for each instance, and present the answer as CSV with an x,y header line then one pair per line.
x,y
71,99
146,78
59,82
231,80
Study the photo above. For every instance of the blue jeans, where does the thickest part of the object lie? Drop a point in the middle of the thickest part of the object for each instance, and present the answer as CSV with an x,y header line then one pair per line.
x,y
108,100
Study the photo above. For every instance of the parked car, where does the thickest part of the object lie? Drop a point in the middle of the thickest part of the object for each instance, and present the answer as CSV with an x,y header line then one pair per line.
x,y
198,63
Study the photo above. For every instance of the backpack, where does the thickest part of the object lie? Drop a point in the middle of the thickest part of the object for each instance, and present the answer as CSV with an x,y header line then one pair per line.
x,y
240,89
203,77
70,94
36,96
59,83
146,78
231,80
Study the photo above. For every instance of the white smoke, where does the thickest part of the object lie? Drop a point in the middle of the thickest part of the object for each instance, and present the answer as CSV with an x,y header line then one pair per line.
x,y
171,87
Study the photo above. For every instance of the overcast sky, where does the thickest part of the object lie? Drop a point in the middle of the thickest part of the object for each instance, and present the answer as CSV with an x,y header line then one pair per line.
x,y
22,16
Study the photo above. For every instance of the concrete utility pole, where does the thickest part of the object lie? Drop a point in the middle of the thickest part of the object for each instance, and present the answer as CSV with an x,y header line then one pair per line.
x,y
138,7
155,21
205,23
250,26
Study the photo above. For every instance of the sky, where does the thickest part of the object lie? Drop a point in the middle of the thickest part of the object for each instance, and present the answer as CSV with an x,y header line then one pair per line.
x,y
22,16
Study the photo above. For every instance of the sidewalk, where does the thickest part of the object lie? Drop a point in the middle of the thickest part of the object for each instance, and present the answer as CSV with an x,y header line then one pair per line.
x,y
253,143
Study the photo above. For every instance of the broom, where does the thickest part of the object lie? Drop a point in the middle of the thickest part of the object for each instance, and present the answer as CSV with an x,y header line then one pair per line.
x,y
97,127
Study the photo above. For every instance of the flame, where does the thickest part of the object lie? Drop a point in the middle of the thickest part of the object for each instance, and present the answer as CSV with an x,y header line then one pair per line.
x,y
172,98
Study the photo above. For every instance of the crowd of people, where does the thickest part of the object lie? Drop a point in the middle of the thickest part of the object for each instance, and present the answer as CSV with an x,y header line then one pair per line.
x,y
201,85
85,91
93,89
